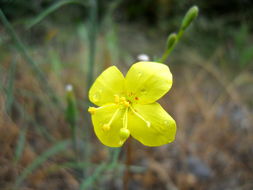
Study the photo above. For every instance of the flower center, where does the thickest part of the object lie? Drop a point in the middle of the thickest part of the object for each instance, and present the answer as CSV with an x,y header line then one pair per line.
x,y
125,106
122,101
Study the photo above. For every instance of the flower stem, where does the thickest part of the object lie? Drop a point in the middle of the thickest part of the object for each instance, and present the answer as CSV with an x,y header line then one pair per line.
x,y
169,50
127,175
190,16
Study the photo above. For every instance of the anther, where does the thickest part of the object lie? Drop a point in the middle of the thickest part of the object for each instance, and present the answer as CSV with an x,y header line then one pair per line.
x,y
122,99
116,99
106,127
92,110
126,103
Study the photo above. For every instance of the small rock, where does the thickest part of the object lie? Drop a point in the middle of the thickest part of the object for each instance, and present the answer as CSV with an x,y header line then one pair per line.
x,y
199,168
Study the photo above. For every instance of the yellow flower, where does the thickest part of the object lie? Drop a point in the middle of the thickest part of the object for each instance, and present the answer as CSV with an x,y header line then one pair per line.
x,y
127,105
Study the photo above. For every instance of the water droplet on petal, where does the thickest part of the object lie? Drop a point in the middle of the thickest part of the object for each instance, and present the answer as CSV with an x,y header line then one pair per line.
x,y
166,122
143,91
96,96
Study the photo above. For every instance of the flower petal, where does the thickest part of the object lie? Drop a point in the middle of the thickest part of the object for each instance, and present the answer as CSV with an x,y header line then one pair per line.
x,y
111,82
161,128
109,136
146,82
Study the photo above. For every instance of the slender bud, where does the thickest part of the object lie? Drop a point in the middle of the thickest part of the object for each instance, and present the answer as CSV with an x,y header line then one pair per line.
x,y
171,41
71,110
189,17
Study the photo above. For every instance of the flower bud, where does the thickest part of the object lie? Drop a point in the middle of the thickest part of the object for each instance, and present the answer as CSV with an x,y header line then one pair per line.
x,y
172,39
189,17
71,109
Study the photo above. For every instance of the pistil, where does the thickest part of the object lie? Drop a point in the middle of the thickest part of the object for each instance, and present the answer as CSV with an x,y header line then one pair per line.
x,y
124,132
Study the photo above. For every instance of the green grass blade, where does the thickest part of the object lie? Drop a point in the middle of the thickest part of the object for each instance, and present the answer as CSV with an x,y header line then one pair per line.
x,y
51,9
246,56
24,52
86,183
56,63
61,146
20,144
2,88
9,90
90,180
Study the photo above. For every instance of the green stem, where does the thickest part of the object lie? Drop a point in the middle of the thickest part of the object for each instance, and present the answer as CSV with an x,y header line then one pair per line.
x,y
92,34
168,51
128,161
74,142
10,88
189,17
180,34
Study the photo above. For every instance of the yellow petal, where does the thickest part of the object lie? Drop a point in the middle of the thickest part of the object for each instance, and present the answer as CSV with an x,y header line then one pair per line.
x,y
111,82
110,134
155,128
146,82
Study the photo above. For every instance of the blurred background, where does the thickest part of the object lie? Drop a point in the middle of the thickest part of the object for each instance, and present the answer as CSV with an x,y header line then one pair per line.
x,y
46,138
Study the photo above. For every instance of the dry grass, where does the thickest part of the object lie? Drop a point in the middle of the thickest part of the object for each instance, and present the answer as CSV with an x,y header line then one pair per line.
x,y
213,148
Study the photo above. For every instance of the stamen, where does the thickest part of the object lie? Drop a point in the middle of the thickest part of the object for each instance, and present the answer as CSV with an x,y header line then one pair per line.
x,y
125,119
142,118
126,103
122,99
92,110
124,132
108,125
116,99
